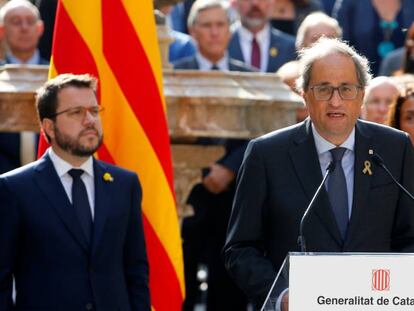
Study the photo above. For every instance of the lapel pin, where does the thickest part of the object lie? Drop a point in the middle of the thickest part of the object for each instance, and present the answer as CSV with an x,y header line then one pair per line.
x,y
273,52
370,151
367,168
108,177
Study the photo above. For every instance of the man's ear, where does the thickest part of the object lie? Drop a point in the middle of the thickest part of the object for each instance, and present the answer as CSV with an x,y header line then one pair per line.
x,y
40,28
2,31
304,98
48,127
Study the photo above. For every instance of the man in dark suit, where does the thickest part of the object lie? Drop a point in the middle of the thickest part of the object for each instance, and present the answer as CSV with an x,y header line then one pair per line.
x,y
71,232
360,209
21,27
255,42
204,233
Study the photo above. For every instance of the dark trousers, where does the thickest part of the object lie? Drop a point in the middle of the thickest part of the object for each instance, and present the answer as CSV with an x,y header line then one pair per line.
x,y
203,240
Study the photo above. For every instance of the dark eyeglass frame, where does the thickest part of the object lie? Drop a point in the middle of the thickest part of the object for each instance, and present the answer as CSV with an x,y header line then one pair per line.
x,y
333,89
93,111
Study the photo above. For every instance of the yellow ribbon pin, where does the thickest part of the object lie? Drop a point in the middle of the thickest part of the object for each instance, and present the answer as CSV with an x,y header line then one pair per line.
x,y
367,168
273,52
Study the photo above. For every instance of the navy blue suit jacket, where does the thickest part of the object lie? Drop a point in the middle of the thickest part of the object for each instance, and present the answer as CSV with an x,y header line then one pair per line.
x,y
281,49
42,245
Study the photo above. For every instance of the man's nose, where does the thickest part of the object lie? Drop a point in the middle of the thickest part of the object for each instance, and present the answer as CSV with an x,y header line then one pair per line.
x,y
336,99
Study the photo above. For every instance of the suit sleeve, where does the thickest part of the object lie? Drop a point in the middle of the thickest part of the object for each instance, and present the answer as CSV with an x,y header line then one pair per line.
x,y
244,253
9,225
234,154
135,255
403,229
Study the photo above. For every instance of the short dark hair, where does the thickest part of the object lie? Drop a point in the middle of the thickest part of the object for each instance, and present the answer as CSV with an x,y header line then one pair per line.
x,y
47,95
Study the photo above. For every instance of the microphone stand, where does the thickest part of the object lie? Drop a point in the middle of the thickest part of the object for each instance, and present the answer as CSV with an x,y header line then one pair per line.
x,y
301,238
380,162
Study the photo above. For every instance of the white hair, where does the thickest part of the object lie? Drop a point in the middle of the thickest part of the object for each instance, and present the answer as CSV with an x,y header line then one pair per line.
x,y
201,5
13,4
313,19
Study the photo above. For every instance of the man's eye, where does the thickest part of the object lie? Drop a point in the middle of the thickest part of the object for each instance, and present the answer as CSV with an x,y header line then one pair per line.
x,y
75,112
324,89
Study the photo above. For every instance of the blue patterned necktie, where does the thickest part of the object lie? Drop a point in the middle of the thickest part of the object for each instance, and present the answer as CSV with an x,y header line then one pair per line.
x,y
337,191
80,203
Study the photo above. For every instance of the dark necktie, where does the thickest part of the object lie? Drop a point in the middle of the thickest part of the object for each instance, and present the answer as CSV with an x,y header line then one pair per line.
x,y
215,67
255,61
337,191
80,202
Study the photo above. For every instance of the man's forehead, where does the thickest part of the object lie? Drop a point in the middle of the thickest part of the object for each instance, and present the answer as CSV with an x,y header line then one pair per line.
x,y
20,11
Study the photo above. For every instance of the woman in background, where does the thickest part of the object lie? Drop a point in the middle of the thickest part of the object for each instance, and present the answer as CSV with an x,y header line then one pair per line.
x,y
402,113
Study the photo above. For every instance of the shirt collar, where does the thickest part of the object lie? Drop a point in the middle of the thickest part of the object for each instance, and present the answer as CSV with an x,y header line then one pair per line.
x,y
247,35
205,64
34,60
322,145
62,167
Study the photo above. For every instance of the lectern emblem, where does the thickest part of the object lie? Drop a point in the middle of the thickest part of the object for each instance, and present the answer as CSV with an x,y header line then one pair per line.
x,y
381,280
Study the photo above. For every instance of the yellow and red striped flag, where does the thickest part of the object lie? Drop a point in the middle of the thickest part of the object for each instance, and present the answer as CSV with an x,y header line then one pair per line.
x,y
116,41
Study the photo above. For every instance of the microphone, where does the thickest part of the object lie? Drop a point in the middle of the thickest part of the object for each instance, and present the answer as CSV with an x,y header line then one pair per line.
x,y
301,238
380,162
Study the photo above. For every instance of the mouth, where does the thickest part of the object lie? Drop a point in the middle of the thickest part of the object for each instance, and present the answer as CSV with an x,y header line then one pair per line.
x,y
89,132
335,115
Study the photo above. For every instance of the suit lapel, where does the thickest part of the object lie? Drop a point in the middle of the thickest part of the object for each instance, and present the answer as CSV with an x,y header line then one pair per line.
x,y
102,203
272,54
235,48
306,163
194,63
363,143
51,186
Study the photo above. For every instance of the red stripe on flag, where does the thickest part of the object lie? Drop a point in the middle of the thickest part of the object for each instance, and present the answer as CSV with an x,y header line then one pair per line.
x,y
104,155
70,52
163,279
164,285
142,92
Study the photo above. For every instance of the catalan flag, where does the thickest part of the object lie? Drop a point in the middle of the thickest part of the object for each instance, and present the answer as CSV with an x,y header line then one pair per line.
x,y
116,41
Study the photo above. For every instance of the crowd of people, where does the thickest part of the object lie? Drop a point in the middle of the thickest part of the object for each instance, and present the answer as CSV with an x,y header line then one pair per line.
x,y
290,39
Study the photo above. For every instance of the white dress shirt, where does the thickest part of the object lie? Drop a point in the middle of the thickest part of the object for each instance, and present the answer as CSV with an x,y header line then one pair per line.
x,y
62,168
262,38
205,64
34,60
323,146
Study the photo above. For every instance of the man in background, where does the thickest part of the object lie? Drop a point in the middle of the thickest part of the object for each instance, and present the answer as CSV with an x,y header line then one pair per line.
x,y
380,94
255,42
204,233
21,28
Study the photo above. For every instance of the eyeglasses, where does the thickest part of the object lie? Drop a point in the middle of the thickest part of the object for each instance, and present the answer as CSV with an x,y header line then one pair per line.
x,y
79,113
345,91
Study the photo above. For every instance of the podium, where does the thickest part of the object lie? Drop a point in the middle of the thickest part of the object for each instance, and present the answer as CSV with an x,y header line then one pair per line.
x,y
344,282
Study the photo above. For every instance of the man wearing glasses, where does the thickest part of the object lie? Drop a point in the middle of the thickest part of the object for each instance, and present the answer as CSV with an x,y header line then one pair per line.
x,y
359,209
71,233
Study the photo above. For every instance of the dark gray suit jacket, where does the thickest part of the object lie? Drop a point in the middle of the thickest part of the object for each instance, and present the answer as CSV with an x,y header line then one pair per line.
x,y
278,177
